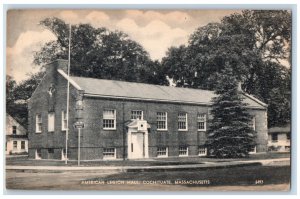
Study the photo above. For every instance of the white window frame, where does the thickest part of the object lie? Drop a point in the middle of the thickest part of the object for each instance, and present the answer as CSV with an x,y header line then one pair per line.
x,y
114,118
200,118
37,156
24,145
51,122
254,123
186,122
200,149
104,153
160,151
160,120
13,130
38,123
134,113
187,151
64,120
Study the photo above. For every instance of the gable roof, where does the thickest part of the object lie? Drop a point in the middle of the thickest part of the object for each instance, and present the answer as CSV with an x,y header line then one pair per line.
x,y
149,92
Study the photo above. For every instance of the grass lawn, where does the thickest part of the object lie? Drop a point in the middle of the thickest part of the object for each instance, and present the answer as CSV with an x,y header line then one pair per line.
x,y
149,162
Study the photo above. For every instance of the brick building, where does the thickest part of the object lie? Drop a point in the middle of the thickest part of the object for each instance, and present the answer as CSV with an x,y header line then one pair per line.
x,y
123,119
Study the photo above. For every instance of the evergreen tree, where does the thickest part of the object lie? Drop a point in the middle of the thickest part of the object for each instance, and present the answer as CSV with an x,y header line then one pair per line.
x,y
229,134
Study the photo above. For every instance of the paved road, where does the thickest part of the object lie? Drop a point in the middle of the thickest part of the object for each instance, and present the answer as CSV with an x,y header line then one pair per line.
x,y
244,178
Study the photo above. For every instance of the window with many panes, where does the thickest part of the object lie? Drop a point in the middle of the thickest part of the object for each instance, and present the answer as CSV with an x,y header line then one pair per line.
x,y
183,151
64,120
109,153
136,114
14,130
51,122
109,119
38,123
161,120
15,144
22,144
202,151
162,152
182,121
201,122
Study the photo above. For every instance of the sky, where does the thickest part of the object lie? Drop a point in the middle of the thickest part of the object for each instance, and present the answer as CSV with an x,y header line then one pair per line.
x,y
155,30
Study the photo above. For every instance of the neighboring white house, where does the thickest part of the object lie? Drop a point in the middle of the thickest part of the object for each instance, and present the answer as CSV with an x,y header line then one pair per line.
x,y
16,137
279,138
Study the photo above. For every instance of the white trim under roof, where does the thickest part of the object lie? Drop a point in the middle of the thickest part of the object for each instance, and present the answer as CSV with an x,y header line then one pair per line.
x,y
158,100
70,79
255,99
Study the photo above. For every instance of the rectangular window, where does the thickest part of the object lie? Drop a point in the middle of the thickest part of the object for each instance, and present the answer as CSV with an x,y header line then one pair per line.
x,y
38,154
109,119
109,153
162,152
202,151
162,120
51,120
274,137
183,151
254,123
38,123
182,121
64,120
14,130
22,144
15,144
201,122
136,114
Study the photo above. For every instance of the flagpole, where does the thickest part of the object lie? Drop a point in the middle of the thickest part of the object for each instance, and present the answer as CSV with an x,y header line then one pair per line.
x,y
68,97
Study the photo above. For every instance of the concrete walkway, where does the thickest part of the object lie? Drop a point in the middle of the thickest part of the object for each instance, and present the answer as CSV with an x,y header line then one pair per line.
x,y
204,165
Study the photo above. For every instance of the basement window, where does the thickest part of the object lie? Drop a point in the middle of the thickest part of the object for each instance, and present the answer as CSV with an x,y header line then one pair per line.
x,y
183,151
109,153
202,151
162,152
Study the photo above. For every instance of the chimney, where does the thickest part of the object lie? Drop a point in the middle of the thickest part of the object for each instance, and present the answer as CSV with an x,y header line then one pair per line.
x,y
61,64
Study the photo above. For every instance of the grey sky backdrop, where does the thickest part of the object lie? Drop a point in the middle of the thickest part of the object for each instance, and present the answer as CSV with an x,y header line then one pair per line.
x,y
155,30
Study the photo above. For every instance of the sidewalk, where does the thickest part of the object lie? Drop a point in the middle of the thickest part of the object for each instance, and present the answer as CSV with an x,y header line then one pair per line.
x,y
203,166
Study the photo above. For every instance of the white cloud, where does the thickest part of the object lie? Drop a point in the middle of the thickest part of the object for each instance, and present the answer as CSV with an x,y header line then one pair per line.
x,y
20,56
156,37
98,19
69,16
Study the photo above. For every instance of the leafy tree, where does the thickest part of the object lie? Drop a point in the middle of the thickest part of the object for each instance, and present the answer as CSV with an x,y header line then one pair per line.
x,y
17,96
253,43
98,53
229,134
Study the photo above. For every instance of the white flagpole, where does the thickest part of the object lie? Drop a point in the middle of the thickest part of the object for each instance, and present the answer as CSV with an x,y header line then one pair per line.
x,y
68,97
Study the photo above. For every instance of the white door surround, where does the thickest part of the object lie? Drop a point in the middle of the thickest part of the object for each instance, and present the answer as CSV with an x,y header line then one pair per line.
x,y
137,139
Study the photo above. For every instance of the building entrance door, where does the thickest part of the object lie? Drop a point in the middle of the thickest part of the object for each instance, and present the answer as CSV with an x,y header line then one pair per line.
x,y
137,147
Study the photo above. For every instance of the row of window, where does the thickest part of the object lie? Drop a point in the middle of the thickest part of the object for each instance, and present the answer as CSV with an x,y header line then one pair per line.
x,y
109,120
274,137
51,122
110,153
15,144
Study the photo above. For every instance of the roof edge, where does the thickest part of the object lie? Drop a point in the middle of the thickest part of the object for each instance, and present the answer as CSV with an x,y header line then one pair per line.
x,y
69,78
155,100
255,99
